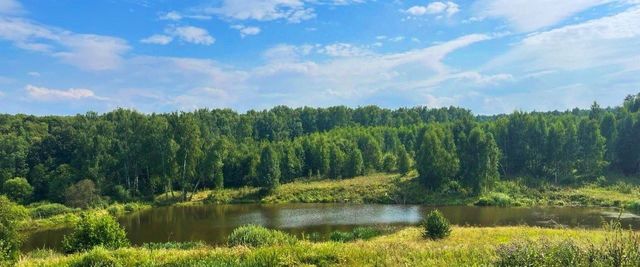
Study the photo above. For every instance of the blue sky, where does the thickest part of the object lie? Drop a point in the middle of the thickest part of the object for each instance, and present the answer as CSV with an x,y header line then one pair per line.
x,y
490,56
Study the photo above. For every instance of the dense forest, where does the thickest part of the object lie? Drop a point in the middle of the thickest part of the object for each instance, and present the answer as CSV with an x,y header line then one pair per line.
x,y
124,155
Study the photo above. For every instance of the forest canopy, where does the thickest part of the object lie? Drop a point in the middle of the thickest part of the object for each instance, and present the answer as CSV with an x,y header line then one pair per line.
x,y
127,155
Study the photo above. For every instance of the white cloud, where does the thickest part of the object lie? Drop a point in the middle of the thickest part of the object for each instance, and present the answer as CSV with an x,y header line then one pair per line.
x,y
191,34
93,52
171,15
159,39
246,30
293,11
435,8
611,41
11,7
344,50
47,94
85,51
34,74
527,15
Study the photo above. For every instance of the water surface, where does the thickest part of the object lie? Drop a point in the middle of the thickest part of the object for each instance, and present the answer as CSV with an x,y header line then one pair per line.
x,y
213,223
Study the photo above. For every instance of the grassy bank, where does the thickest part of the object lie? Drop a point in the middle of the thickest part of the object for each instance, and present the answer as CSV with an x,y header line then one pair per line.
x,y
61,217
396,189
467,246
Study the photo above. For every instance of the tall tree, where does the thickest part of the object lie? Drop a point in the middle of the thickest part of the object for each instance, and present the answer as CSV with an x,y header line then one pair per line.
x,y
269,168
437,160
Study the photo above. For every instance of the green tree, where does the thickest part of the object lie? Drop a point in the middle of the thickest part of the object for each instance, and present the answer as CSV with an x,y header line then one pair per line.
x,y
483,159
95,230
591,149
355,163
18,189
189,153
404,161
269,168
437,160
83,194
389,162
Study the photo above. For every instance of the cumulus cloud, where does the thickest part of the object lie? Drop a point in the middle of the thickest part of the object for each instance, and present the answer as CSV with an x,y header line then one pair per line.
x,y
435,8
518,13
246,30
47,94
85,51
191,34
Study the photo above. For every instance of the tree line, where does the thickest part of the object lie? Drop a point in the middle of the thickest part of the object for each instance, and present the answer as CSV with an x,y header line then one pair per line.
x,y
127,155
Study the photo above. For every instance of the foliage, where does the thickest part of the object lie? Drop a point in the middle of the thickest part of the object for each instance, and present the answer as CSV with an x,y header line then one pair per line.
x,y
17,189
10,241
82,194
437,160
495,199
131,156
97,257
257,236
436,226
358,233
389,162
175,245
46,210
95,230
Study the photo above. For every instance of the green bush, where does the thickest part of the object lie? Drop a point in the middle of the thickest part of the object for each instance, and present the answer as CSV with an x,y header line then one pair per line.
x,y
436,226
362,233
48,210
256,236
95,230
10,241
634,206
495,199
97,257
17,189
175,245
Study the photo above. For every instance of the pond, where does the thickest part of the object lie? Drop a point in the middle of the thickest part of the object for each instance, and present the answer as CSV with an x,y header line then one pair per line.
x,y
213,223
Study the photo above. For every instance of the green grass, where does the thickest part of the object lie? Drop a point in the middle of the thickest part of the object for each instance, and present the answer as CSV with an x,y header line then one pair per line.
x,y
71,216
467,246
382,188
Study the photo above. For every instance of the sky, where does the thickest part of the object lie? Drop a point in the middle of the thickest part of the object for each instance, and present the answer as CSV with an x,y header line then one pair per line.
x,y
67,57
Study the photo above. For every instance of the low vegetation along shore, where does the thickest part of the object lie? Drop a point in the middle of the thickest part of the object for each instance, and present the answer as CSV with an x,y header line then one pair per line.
x,y
466,246
385,188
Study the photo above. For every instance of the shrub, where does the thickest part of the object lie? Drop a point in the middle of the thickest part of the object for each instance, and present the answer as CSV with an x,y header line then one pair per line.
x,y
389,162
97,257
339,236
17,189
495,199
256,236
362,233
48,210
10,214
436,226
95,230
634,206
175,245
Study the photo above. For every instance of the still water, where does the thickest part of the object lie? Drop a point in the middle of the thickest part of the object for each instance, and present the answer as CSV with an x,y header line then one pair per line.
x,y
213,223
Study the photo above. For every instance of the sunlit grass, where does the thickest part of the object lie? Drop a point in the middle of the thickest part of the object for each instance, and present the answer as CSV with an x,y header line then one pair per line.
x,y
467,246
